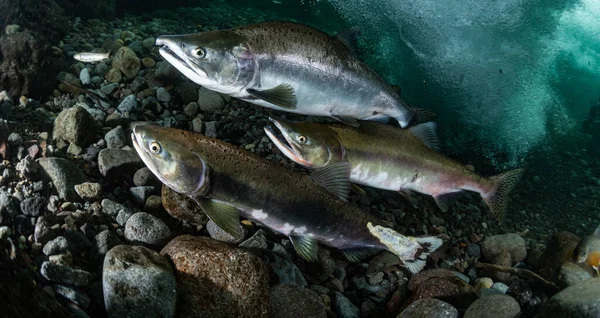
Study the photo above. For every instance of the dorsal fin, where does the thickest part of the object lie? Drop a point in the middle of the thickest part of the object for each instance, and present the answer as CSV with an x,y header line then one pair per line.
x,y
350,38
426,132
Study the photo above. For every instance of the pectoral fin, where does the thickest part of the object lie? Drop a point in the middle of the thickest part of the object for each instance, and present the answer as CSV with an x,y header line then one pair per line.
x,y
281,95
444,201
347,120
306,247
335,178
225,216
426,132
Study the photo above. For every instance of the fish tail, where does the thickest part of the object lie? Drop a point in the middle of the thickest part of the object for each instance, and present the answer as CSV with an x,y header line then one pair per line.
x,y
497,200
412,251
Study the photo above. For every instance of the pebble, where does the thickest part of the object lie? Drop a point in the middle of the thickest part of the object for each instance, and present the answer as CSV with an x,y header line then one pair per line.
x,y
128,104
572,274
15,139
429,308
153,204
123,216
113,76
33,206
210,101
145,177
61,259
115,162
75,125
145,228
73,294
579,300
101,69
89,190
257,243
163,95
493,306
218,234
493,246
211,129
109,88
56,246
501,287
344,307
103,242
235,280
12,29
84,76
64,175
127,62
43,231
295,302
474,250
181,207
115,138
78,242
140,194
520,290
111,208
483,282
148,62
148,43
5,232
197,125
191,109
65,275
287,271
138,282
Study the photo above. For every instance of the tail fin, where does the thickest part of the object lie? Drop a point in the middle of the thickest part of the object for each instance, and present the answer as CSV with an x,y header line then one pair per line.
x,y
413,251
497,201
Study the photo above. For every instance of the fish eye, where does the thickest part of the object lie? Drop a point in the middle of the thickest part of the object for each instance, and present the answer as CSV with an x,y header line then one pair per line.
x,y
155,147
301,139
199,52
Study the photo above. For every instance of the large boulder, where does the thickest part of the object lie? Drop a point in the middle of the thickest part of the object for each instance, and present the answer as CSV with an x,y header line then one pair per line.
x,y
580,300
215,279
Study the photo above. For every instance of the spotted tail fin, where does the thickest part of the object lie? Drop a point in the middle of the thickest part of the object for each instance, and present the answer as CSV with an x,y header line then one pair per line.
x,y
497,201
413,251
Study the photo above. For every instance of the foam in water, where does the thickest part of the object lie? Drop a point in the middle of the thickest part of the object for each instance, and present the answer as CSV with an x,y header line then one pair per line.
x,y
501,69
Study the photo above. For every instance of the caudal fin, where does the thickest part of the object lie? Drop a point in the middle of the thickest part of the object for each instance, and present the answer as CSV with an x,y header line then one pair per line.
x,y
412,251
497,201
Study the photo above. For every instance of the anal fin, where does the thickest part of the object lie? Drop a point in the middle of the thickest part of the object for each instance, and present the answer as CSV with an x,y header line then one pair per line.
x,y
358,254
225,216
444,201
335,178
306,247
409,196
358,190
281,95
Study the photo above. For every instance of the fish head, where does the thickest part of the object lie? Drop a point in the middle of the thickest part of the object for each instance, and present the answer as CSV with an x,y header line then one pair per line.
x,y
170,156
581,252
311,145
217,60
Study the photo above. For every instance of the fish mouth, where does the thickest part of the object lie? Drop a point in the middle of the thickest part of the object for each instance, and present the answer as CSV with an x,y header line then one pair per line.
x,y
172,52
285,145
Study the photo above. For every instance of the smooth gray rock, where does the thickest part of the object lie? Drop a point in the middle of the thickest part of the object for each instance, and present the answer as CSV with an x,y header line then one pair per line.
x,y
64,175
138,282
89,190
429,308
209,101
73,294
123,216
146,229
493,306
75,125
56,246
140,194
145,177
578,301
115,138
218,234
257,243
344,307
111,208
33,206
114,162
493,246
287,271
65,275
572,274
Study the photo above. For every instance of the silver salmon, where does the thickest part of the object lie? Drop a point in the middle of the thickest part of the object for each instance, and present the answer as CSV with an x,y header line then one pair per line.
x,y
289,67
90,57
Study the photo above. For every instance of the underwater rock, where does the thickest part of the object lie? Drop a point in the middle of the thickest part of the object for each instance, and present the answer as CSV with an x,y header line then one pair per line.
x,y
114,162
64,175
113,76
138,282
215,279
493,306
33,206
287,272
210,101
344,307
145,177
493,246
27,66
103,242
182,207
75,125
441,284
89,191
429,308
558,251
127,62
115,138
188,93
572,274
220,235
580,300
144,228
65,275
292,301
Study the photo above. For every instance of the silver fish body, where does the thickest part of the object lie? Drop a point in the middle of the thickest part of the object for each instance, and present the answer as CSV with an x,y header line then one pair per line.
x,y
288,67
90,57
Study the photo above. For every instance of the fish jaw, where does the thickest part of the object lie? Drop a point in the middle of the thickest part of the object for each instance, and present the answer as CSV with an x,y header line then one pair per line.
x,y
286,147
171,51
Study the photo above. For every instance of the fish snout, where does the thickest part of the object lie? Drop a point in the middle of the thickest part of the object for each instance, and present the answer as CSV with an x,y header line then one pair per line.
x,y
168,40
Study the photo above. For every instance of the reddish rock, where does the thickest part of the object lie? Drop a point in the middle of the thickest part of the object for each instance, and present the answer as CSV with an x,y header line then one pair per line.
x,y
216,279
182,207
443,285
559,250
